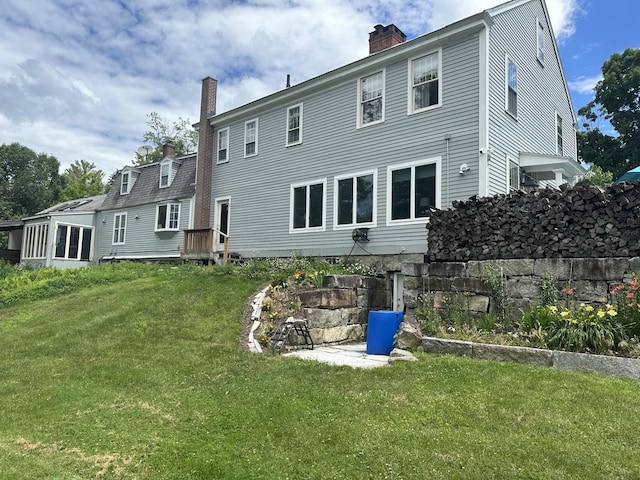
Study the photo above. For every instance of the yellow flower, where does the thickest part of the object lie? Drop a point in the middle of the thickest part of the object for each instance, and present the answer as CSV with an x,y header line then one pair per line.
x,y
553,308
564,314
612,313
601,313
589,308
608,306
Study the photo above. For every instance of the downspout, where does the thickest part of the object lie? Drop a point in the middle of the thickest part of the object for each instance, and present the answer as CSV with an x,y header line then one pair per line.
x,y
447,138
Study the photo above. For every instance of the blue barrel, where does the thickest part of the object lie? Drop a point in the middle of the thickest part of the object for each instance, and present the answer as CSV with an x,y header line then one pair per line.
x,y
382,327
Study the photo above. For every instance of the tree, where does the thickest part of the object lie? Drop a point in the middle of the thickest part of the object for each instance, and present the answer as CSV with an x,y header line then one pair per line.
x,y
180,133
617,100
29,182
598,176
82,179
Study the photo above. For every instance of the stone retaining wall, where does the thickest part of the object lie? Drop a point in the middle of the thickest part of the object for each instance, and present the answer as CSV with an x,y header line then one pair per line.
x,y
591,278
582,362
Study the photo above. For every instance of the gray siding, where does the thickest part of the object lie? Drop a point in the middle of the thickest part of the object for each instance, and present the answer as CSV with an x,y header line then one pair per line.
x,y
541,92
259,186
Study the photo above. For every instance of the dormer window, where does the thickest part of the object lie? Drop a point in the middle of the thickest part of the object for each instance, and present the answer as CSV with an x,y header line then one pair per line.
x,y
125,181
165,174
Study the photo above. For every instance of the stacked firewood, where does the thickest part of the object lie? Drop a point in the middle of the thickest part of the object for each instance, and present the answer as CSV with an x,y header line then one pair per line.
x,y
574,222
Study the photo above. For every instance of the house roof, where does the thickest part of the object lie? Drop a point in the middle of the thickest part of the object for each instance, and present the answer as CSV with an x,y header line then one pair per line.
x,y
146,188
536,162
9,225
79,205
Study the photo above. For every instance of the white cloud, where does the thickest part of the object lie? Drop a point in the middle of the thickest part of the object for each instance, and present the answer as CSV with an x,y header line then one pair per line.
x,y
584,85
78,77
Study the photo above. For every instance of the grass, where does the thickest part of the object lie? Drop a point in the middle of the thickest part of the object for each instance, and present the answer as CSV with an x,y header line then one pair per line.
x,y
143,378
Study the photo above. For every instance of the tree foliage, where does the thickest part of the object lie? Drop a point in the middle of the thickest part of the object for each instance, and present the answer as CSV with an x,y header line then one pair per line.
x,y
598,176
29,182
617,100
183,136
82,179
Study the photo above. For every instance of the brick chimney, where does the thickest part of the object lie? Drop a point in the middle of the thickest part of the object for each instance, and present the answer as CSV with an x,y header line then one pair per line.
x,y
168,150
204,172
384,37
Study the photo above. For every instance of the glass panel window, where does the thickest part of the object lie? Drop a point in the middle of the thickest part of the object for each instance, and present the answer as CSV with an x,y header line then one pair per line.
x,y
371,98
413,191
251,138
35,241
167,216
73,242
308,206
514,176
119,228
425,81
165,170
355,199
223,145
294,125
124,186
559,146
512,88
540,42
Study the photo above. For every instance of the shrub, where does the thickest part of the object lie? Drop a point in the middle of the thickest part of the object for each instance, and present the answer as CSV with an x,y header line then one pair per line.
x,y
626,296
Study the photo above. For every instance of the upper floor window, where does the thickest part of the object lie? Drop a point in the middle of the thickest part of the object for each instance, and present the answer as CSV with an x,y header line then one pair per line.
x,y
308,206
413,190
73,242
512,88
294,125
165,174
119,228
425,82
251,138
355,199
540,37
168,216
124,183
223,145
35,241
559,147
371,94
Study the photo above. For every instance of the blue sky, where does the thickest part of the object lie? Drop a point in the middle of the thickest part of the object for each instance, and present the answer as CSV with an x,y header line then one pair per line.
x,y
79,77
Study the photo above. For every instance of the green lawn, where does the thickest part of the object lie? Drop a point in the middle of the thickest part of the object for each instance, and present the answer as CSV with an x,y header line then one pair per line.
x,y
144,379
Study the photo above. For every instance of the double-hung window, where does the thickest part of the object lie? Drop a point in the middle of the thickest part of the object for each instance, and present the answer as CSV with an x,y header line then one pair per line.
x,y
425,74
165,172
124,183
251,138
371,94
540,42
355,199
294,125
512,88
119,228
223,146
559,146
168,216
308,206
413,189
73,242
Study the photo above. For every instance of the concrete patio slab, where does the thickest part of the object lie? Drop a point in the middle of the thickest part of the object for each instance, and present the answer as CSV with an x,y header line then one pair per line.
x,y
352,355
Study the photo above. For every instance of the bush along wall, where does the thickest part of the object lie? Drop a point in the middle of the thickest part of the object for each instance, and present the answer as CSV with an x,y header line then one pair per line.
x,y
573,222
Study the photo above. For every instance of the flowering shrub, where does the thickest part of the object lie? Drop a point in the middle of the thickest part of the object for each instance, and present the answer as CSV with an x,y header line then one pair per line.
x,y
626,296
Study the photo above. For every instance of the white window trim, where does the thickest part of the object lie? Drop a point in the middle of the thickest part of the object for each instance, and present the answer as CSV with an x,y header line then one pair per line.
x,y
292,188
510,188
113,230
123,190
68,241
561,136
410,109
438,203
300,126
255,141
167,217
359,122
35,240
506,86
218,149
540,41
349,226
163,164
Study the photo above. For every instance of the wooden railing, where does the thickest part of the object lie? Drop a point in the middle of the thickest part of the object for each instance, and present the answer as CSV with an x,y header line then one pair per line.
x,y
199,244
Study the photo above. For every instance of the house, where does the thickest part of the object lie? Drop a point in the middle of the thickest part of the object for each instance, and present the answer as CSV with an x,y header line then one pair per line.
x,y
147,210
142,217
63,235
351,162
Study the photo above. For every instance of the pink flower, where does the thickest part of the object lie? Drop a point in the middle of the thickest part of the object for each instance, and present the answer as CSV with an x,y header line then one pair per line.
x,y
568,291
630,295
